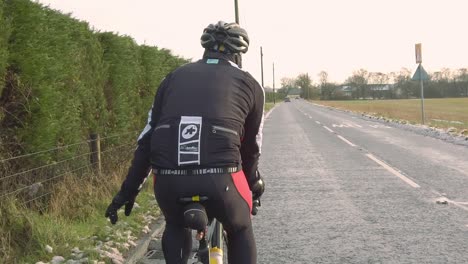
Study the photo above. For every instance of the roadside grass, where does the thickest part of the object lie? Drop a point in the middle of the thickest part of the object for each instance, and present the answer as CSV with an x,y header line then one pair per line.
x,y
268,106
73,218
439,113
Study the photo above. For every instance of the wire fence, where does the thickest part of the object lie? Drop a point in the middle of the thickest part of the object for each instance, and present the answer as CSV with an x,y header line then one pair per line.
x,y
66,146
46,166
37,183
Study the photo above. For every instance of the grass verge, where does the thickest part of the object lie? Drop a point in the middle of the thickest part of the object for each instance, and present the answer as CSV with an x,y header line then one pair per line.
x,y
74,219
268,106
440,113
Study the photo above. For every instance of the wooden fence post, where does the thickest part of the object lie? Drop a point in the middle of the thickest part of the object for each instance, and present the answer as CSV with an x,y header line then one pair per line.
x,y
95,144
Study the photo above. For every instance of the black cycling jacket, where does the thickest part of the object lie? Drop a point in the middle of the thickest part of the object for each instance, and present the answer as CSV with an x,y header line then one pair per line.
x,y
205,114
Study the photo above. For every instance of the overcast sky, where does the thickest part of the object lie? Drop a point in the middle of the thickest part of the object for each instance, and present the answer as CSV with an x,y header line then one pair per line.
x,y
299,36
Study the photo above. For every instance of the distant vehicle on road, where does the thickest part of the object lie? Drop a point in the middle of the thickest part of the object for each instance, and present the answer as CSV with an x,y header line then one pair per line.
x,y
287,99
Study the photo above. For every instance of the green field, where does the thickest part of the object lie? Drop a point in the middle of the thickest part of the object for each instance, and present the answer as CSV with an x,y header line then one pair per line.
x,y
440,113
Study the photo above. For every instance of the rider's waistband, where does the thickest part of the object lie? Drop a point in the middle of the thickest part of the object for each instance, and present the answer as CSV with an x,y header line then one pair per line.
x,y
201,171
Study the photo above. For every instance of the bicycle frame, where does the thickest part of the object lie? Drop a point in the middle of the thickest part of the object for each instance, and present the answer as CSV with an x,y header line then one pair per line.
x,y
212,242
210,249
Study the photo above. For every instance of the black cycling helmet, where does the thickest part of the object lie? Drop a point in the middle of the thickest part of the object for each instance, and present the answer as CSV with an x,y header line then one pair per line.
x,y
225,37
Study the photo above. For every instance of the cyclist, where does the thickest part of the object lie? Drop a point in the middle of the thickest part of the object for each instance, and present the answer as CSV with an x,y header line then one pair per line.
x,y
203,137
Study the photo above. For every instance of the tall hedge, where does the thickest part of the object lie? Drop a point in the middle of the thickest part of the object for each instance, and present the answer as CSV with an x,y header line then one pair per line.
x,y
56,60
4,34
124,78
68,81
156,64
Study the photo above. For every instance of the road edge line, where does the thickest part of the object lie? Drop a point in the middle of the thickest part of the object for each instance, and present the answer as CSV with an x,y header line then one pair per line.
x,y
393,171
329,130
347,141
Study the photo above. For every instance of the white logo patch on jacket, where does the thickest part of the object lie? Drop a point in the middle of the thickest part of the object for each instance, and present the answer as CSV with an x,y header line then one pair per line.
x,y
189,140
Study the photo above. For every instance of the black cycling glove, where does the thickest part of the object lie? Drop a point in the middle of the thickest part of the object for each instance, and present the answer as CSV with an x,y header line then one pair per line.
x,y
119,201
257,187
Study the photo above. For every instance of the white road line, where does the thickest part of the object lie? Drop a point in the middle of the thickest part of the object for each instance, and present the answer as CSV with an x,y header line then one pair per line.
x,y
347,141
331,131
342,125
357,125
393,171
460,206
317,122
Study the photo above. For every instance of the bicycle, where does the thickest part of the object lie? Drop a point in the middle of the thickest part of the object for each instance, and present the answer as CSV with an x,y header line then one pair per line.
x,y
212,238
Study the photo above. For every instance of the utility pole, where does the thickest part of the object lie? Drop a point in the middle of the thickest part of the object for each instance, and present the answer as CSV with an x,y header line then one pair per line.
x,y
261,63
238,57
274,93
236,6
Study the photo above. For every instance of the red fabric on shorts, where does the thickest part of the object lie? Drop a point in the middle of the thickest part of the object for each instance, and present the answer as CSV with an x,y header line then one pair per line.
x,y
242,187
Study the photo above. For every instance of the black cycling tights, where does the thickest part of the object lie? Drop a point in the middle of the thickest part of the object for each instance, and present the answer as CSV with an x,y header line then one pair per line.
x,y
228,202
176,244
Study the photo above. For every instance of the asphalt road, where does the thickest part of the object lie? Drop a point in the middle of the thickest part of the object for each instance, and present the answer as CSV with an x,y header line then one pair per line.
x,y
343,189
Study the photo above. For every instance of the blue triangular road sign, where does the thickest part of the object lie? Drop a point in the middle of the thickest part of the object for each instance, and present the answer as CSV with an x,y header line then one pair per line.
x,y
420,74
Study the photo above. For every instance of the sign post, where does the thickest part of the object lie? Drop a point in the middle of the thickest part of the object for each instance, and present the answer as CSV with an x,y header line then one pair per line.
x,y
420,75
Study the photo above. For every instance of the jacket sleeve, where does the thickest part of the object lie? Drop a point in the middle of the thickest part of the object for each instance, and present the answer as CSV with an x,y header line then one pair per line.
x,y
141,165
252,140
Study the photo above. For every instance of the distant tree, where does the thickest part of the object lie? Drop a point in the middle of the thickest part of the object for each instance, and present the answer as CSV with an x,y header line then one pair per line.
x,y
403,84
323,77
323,80
287,84
327,90
359,80
304,82
378,79
462,80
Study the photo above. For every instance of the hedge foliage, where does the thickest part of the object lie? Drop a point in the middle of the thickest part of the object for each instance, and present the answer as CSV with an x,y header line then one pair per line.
x,y
4,34
271,97
61,81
